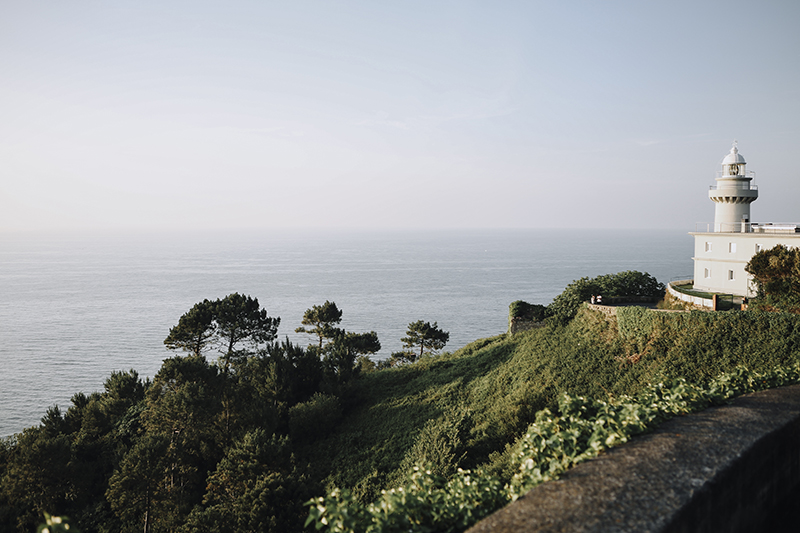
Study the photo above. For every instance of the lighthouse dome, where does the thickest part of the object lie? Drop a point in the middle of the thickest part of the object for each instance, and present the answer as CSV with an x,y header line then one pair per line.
x,y
734,157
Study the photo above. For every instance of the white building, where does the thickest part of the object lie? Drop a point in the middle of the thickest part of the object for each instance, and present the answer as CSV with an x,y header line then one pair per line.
x,y
723,250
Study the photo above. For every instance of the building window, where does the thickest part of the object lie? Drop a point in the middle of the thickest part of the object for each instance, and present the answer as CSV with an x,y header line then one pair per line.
x,y
732,247
707,273
708,247
759,248
730,275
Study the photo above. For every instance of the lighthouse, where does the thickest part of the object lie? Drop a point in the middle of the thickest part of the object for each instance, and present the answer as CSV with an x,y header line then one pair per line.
x,y
733,194
721,253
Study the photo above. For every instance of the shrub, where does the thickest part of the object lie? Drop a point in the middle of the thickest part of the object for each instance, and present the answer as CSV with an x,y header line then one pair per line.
x,y
628,284
308,420
526,311
441,445
579,429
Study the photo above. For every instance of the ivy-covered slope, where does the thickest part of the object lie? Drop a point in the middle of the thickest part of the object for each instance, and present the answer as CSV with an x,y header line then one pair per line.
x,y
465,409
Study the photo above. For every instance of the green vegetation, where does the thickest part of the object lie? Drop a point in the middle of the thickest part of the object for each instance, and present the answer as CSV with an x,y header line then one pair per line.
x,y
502,382
56,524
426,336
526,311
776,275
323,319
235,320
625,285
243,443
628,284
579,429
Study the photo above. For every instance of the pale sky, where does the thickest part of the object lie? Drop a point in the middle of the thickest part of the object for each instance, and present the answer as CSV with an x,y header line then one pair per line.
x,y
377,114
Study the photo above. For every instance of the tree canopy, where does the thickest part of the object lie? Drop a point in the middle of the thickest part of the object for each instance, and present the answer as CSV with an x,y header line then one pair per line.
x,y
323,319
776,276
195,329
232,324
240,320
426,336
343,347
340,357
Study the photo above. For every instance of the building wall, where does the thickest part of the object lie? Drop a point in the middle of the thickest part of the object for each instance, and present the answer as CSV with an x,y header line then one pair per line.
x,y
720,258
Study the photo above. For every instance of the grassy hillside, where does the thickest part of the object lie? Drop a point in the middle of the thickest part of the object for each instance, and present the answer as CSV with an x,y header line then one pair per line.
x,y
205,447
465,409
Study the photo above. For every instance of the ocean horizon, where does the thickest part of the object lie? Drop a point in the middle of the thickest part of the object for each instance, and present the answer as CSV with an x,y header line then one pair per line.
x,y
77,306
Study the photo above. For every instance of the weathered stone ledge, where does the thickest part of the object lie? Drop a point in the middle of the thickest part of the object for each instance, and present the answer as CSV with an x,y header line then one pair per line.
x,y
723,469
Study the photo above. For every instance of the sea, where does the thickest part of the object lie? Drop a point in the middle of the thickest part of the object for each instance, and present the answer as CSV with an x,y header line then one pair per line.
x,y
76,306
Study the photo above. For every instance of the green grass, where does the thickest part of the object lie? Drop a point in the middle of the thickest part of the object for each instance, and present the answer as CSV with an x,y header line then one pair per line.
x,y
495,387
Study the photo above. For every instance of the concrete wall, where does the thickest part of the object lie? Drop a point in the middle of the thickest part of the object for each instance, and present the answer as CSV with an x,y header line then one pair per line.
x,y
694,300
734,468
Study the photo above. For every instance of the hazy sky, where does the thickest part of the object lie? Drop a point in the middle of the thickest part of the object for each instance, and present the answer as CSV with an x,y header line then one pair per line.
x,y
378,114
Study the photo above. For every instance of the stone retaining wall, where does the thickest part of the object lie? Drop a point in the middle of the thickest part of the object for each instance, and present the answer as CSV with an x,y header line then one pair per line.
x,y
515,325
608,310
728,468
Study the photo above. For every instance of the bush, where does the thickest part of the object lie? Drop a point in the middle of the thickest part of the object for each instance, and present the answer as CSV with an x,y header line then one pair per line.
x,y
579,429
312,419
441,445
526,311
635,324
628,284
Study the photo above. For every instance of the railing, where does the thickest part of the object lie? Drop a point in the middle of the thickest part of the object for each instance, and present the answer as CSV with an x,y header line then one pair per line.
x,y
740,187
748,174
746,227
738,227
776,228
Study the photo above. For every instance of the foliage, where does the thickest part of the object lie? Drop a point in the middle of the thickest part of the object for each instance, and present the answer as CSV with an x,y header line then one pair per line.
x,y
635,324
402,357
526,311
285,373
137,491
323,319
504,381
628,284
195,329
424,502
365,364
580,429
776,275
186,425
441,444
211,445
255,487
314,418
583,427
57,524
225,323
240,319
426,336
670,302
340,355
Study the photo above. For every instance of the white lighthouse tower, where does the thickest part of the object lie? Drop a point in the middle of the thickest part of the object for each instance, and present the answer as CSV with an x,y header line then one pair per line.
x,y
721,253
733,194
